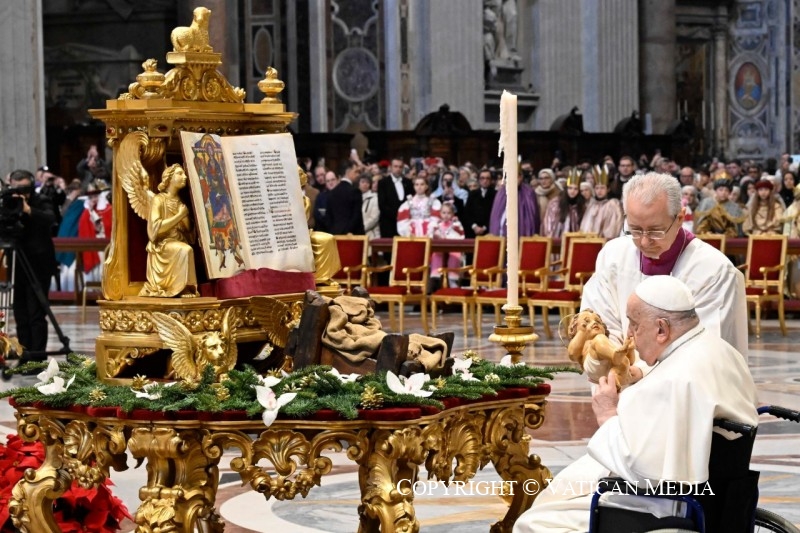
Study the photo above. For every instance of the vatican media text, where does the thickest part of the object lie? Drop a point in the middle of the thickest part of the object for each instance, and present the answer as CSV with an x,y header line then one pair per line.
x,y
554,486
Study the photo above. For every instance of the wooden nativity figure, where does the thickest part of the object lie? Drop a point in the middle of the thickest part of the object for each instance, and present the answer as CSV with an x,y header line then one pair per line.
x,y
597,355
170,258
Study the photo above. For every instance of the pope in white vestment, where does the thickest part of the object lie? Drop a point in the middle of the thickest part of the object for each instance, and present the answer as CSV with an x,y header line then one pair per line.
x,y
717,286
663,424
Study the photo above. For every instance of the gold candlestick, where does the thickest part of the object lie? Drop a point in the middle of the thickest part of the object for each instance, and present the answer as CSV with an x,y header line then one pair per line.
x,y
513,336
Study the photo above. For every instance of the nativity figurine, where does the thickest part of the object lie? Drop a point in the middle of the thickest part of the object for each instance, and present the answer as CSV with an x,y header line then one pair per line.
x,y
595,353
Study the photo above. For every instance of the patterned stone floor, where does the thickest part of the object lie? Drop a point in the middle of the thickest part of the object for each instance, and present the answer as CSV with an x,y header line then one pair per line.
x,y
774,361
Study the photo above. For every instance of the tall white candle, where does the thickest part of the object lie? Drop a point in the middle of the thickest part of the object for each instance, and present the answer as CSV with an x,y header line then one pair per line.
x,y
508,147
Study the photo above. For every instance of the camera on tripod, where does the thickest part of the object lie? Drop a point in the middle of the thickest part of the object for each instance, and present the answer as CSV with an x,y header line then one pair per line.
x,y
11,206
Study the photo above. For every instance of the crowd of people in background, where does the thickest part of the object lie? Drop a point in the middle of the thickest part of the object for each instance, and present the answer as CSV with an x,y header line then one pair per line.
x,y
428,197
734,198
399,197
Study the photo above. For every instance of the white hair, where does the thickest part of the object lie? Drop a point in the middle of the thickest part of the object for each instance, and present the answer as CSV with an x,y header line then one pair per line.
x,y
649,187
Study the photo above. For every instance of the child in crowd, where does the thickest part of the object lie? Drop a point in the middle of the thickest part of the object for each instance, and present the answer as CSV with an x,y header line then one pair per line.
x,y
764,211
448,227
419,214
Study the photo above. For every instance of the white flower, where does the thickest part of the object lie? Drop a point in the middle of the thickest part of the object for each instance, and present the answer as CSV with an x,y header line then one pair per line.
x,y
461,368
56,386
344,378
50,372
411,385
507,361
272,403
45,386
271,381
467,376
145,392
491,378
461,364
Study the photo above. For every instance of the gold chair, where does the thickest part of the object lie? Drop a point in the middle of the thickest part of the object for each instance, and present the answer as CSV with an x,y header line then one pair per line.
x,y
485,272
353,253
408,279
717,240
580,265
763,275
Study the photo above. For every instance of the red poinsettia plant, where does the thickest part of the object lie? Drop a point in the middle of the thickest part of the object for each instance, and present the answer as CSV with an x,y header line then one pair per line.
x,y
79,510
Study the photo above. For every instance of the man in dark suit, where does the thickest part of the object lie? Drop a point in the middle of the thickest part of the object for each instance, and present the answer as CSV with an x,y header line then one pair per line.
x,y
479,206
392,191
32,234
343,214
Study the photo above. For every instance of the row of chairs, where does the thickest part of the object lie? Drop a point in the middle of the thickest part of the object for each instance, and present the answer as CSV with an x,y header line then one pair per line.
x,y
764,271
544,282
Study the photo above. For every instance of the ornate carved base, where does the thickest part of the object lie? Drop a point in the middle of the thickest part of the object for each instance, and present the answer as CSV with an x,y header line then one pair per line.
x,y
182,460
129,343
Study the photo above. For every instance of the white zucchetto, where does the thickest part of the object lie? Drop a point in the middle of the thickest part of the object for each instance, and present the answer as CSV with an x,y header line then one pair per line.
x,y
666,293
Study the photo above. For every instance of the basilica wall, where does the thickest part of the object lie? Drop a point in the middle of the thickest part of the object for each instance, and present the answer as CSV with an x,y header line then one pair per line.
x,y
722,73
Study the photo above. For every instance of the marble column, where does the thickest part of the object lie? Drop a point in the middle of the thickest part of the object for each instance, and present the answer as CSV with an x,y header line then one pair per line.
x,y
318,64
21,86
720,106
657,62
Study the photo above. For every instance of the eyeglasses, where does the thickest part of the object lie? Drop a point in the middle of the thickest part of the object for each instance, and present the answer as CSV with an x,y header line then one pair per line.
x,y
653,235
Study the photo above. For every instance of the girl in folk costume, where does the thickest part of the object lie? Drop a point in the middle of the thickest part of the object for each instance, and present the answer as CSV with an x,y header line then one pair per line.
x,y
448,227
764,211
603,215
564,212
419,214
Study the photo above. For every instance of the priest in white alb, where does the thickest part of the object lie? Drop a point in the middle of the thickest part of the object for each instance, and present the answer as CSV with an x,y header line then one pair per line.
x,y
659,428
655,243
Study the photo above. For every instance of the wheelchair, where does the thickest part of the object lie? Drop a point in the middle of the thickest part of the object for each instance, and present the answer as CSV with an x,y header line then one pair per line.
x,y
726,504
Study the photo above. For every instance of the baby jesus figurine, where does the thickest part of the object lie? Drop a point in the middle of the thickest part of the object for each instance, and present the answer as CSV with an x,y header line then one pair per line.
x,y
597,355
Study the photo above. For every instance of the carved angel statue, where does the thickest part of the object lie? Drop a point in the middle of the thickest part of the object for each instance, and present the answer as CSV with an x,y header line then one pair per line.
x,y
590,347
192,353
170,258
323,245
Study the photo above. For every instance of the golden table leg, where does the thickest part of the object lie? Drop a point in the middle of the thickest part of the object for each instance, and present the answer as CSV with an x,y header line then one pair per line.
x,y
181,481
394,456
509,445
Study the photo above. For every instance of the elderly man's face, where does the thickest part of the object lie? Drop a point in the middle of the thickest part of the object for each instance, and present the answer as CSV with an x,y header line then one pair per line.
x,y
644,329
653,217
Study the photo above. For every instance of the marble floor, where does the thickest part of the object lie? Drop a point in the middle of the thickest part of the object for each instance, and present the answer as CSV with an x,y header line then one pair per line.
x,y
774,361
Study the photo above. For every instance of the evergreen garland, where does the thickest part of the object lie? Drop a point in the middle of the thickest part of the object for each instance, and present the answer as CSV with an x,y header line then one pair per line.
x,y
315,386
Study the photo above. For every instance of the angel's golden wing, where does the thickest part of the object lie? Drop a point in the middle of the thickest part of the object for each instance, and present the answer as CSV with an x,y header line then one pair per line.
x,y
274,317
135,179
179,339
228,325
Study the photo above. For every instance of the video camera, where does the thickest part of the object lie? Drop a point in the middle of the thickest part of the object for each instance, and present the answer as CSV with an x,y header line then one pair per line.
x,y
11,206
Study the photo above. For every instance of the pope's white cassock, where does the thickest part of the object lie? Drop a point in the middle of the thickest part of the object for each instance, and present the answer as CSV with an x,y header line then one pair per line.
x,y
717,286
662,430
